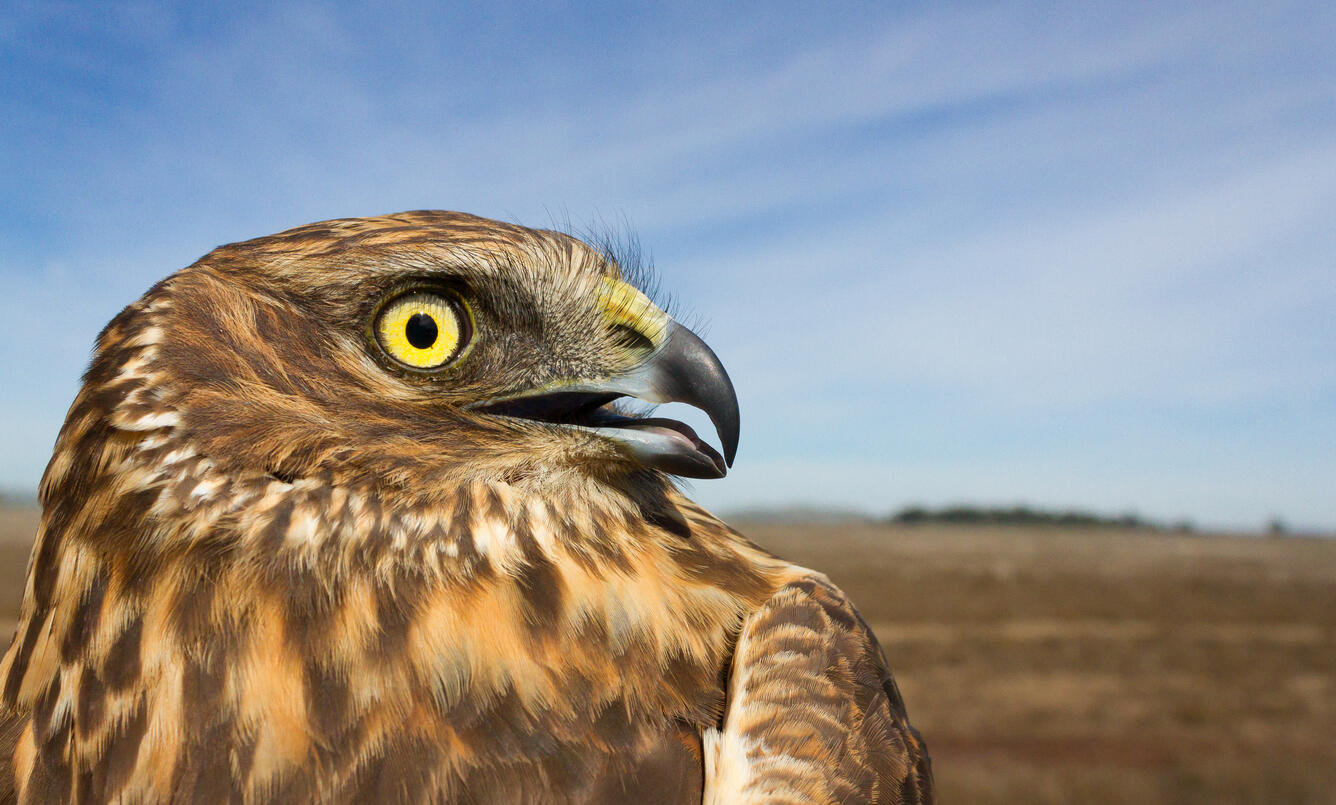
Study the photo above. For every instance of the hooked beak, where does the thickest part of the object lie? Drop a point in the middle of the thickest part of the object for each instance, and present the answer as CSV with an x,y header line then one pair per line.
x,y
682,369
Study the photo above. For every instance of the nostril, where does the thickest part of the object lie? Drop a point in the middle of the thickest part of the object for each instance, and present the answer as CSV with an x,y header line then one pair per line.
x,y
632,340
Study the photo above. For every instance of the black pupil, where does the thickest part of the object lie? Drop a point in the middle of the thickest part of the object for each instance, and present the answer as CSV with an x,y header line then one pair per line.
x,y
421,330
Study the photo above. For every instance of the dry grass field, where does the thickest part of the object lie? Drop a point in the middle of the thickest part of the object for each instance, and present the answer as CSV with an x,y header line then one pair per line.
x,y
1099,666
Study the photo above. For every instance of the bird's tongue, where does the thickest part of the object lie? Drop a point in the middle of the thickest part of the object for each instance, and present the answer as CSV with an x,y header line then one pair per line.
x,y
675,430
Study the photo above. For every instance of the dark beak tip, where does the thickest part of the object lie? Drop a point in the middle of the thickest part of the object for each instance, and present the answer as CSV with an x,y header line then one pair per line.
x,y
730,446
725,423
730,430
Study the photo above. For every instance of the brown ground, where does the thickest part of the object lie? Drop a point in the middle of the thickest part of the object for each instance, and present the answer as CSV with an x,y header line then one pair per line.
x,y
1074,666
1048,665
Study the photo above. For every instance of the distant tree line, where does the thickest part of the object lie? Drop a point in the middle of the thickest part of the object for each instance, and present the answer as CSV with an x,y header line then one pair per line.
x,y
9,497
1022,515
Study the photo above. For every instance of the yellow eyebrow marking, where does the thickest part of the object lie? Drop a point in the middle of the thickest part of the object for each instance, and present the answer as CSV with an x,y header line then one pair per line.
x,y
624,305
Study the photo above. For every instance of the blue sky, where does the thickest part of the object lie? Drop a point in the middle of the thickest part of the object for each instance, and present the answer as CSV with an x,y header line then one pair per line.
x,y
1048,253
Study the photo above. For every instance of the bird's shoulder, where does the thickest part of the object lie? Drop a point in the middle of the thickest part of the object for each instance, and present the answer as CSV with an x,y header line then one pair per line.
x,y
813,711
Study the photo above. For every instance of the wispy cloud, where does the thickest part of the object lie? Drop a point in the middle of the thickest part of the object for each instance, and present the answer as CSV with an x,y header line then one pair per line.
x,y
1009,253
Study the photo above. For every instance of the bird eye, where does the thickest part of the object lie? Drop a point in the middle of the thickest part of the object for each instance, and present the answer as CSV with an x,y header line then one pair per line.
x,y
423,330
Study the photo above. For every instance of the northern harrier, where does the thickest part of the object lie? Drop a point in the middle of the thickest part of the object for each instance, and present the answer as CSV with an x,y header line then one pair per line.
x,y
349,514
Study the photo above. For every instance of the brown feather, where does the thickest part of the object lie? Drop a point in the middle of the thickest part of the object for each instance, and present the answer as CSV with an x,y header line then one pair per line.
x,y
813,713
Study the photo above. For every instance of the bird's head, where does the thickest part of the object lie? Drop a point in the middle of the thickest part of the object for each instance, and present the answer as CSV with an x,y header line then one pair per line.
x,y
423,347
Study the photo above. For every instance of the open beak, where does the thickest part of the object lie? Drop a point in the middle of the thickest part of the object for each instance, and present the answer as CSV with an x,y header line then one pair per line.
x,y
682,369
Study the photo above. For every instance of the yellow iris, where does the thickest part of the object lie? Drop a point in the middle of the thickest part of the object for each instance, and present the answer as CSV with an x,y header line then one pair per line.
x,y
422,330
